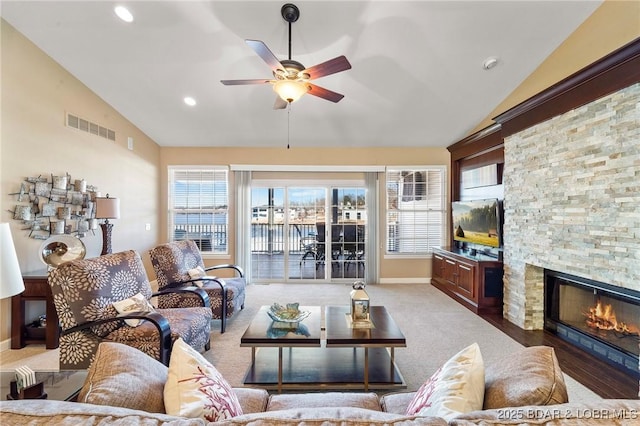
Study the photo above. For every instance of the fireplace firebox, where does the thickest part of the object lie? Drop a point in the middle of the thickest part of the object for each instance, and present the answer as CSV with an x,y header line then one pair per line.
x,y
602,319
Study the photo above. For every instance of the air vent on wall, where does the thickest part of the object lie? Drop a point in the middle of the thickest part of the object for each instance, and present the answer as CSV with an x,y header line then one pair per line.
x,y
89,127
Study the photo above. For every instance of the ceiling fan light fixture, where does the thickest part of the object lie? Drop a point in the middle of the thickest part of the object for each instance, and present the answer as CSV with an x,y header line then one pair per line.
x,y
290,90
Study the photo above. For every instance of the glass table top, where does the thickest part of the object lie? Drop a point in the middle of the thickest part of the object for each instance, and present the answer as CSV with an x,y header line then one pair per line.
x,y
58,385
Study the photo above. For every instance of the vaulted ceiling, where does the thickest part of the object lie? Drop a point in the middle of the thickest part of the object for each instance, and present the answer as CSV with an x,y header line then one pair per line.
x,y
417,76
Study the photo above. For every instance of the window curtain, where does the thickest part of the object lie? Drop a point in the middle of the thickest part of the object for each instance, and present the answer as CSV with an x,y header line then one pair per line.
x,y
372,274
243,221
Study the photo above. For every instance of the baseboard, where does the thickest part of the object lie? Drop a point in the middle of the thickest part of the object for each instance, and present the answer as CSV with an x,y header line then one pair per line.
x,y
414,280
5,345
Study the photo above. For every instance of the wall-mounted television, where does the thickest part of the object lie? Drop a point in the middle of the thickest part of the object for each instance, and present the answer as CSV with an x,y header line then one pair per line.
x,y
477,222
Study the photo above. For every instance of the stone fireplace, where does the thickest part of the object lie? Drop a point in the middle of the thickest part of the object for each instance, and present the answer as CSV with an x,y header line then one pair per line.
x,y
571,202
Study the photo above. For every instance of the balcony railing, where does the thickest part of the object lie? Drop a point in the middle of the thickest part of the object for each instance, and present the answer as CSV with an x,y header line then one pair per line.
x,y
207,237
265,238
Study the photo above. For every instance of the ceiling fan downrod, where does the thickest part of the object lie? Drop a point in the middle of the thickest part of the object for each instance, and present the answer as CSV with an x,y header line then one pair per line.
x,y
290,13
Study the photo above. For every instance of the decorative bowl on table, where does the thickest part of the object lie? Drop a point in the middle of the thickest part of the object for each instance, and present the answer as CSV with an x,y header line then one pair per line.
x,y
289,313
275,331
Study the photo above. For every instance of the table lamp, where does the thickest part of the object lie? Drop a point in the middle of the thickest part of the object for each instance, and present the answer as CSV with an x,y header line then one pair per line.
x,y
10,276
107,208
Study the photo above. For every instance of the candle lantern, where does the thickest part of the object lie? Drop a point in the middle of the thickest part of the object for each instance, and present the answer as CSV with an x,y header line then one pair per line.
x,y
359,303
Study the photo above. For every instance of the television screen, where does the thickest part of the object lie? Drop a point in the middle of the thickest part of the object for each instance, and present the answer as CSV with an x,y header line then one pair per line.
x,y
476,222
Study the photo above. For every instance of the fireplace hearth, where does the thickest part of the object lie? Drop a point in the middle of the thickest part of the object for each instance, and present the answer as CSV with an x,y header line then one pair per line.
x,y
599,318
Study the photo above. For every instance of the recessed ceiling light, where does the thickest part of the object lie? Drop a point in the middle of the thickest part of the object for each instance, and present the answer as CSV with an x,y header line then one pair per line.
x,y
489,63
123,13
189,101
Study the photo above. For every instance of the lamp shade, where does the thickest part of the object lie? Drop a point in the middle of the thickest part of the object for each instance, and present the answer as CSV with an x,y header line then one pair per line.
x,y
10,276
107,208
290,90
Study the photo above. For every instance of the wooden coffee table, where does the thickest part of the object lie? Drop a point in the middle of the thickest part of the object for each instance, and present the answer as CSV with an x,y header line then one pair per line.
x,y
335,356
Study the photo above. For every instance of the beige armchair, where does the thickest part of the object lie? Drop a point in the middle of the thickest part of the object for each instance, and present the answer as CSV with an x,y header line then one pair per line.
x,y
86,293
173,262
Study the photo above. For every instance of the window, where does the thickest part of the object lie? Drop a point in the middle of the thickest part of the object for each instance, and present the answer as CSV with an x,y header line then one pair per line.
x,y
416,212
413,186
199,206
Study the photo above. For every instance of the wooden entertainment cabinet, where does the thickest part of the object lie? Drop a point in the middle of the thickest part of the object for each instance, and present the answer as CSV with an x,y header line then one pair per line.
x,y
474,280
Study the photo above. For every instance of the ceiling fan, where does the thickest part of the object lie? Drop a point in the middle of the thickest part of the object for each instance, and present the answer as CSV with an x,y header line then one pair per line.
x,y
291,79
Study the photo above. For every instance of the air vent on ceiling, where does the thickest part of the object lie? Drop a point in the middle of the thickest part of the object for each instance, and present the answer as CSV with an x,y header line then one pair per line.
x,y
89,127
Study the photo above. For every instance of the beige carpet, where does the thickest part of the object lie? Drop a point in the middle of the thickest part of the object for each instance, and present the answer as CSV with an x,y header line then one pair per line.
x,y
37,357
435,326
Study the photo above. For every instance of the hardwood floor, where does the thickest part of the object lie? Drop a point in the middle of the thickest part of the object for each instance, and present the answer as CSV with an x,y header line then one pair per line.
x,y
597,375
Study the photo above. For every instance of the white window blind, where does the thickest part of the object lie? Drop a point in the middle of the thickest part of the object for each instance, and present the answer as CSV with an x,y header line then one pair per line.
x,y
416,211
199,206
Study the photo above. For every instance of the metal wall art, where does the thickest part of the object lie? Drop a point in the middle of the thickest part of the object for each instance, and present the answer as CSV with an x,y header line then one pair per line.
x,y
56,206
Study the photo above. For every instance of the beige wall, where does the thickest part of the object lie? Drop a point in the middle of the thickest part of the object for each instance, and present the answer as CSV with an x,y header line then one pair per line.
x,y
36,94
391,270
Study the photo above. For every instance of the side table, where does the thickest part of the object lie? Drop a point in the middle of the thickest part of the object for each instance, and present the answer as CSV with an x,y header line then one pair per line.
x,y
36,287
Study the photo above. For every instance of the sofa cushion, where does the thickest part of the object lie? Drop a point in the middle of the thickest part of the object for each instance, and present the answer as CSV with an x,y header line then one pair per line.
x,y
122,376
369,401
396,402
531,376
323,416
252,400
195,389
38,412
606,412
456,387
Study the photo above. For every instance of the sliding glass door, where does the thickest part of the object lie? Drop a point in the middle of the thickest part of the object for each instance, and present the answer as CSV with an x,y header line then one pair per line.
x,y
307,233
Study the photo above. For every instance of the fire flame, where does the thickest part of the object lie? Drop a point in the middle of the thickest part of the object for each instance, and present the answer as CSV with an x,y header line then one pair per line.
x,y
604,318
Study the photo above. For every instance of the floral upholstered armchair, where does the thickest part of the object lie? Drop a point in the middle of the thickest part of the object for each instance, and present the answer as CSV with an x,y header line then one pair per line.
x,y
180,263
107,299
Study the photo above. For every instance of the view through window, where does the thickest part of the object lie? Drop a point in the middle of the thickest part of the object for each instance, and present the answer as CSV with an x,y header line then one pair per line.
x,y
308,233
199,206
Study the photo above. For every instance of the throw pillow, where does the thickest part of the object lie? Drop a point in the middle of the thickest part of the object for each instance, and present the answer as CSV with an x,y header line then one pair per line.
x,y
195,389
456,387
123,376
530,376
137,303
197,272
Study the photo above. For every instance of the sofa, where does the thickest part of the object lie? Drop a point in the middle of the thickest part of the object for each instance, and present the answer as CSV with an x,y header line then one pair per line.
x,y
126,387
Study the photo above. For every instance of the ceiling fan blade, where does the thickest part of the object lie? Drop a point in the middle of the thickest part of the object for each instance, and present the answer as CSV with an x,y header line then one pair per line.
x,y
238,82
263,51
331,66
280,103
323,93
